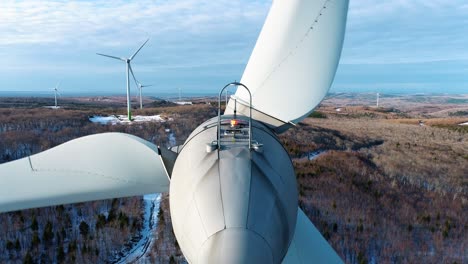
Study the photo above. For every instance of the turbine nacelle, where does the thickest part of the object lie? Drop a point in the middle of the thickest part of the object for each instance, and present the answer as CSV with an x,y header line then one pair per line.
x,y
233,205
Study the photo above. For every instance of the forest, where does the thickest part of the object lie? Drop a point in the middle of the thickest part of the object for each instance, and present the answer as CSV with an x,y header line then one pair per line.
x,y
384,188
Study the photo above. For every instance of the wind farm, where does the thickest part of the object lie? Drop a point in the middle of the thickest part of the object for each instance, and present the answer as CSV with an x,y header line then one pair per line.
x,y
248,157
282,166
335,135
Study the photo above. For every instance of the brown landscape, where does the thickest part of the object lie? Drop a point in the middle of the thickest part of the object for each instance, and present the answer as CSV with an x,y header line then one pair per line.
x,y
390,184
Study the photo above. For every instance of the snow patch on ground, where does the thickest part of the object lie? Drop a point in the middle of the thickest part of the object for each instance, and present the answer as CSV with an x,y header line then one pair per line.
x,y
123,119
463,124
315,154
104,119
183,103
172,140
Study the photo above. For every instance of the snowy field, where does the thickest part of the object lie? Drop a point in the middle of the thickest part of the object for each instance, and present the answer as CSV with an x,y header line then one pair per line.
x,y
122,119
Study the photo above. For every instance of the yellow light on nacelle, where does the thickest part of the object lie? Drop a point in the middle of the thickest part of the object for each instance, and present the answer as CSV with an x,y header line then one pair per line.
x,y
234,122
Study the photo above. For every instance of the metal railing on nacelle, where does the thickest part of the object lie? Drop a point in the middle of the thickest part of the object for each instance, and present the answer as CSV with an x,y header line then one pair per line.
x,y
234,131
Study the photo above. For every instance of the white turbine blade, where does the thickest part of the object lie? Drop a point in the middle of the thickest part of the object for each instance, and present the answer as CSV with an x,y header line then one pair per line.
x,y
134,54
133,75
95,167
308,245
113,57
294,60
58,85
147,85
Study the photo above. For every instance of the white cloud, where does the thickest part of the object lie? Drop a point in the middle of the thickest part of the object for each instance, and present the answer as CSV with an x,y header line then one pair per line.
x,y
378,31
182,32
49,36
404,31
116,22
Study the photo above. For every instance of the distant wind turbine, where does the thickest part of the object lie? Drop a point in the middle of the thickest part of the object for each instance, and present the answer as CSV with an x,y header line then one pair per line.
x,y
129,68
378,97
56,92
139,86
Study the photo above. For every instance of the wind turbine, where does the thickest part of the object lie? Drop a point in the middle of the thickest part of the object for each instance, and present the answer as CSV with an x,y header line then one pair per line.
x,y
139,86
129,67
55,93
378,97
232,186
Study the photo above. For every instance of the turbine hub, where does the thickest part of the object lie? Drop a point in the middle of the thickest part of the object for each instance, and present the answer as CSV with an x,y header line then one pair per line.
x,y
233,205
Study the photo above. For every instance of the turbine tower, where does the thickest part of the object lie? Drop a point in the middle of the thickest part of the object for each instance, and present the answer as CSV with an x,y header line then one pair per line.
x,y
378,97
129,68
139,86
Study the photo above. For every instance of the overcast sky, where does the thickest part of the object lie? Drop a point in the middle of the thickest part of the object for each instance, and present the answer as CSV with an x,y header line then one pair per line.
x,y
200,45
